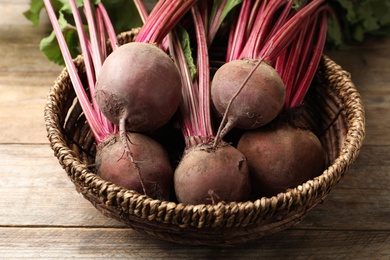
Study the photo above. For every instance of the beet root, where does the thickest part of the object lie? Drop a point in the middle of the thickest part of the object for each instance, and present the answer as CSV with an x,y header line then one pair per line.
x,y
281,157
260,99
140,85
207,175
147,170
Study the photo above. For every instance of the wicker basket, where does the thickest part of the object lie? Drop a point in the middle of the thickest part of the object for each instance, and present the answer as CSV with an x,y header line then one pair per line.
x,y
333,101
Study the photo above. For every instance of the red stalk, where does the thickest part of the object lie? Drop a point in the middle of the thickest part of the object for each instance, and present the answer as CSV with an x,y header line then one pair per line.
x,y
164,16
101,33
195,106
215,23
258,6
282,19
141,10
85,50
238,35
189,105
311,69
303,55
108,25
99,132
286,33
95,41
294,59
261,29
93,50
203,74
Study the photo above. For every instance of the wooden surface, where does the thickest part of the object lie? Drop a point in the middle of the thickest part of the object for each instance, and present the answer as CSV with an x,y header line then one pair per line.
x,y
42,216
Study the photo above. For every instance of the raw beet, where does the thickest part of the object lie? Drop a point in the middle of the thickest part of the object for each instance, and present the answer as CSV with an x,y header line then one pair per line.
x,y
207,175
147,171
281,157
140,84
258,102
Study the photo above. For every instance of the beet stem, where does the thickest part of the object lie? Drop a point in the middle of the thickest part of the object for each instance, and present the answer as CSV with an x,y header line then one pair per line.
x,y
141,10
99,132
203,74
164,16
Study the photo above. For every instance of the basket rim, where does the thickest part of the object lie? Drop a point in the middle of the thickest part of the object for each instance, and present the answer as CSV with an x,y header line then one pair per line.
x,y
121,201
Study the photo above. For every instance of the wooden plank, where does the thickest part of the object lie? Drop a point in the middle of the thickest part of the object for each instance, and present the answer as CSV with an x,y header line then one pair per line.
x,y
25,76
125,243
35,191
21,114
369,65
42,216
17,28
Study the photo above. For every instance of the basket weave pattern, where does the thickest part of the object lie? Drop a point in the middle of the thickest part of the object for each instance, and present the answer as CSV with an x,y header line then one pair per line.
x,y
335,104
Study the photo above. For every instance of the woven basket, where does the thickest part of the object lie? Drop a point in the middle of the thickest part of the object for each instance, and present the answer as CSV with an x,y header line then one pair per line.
x,y
333,102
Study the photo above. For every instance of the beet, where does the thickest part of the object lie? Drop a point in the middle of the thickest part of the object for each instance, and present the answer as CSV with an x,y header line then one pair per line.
x,y
259,101
147,170
139,84
208,175
281,157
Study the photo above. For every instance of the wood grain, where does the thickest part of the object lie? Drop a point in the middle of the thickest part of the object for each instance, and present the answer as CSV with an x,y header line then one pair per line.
x,y
112,243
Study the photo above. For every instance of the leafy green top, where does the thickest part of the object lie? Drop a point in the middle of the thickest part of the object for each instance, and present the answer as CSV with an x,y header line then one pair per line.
x,y
123,14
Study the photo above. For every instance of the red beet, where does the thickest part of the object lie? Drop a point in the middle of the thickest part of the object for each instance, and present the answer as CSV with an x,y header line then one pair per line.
x,y
147,170
258,101
281,157
140,85
207,175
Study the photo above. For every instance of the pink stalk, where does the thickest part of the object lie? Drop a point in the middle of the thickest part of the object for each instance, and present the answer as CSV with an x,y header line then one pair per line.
x,y
216,22
105,22
158,13
286,33
298,63
110,29
261,29
195,106
310,72
257,7
177,15
164,16
238,36
205,12
84,48
101,33
292,62
306,52
282,19
189,106
86,51
203,74
141,10
96,45
99,132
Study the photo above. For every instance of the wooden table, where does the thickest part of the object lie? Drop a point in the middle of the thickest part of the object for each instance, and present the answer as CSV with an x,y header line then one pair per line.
x,y
42,216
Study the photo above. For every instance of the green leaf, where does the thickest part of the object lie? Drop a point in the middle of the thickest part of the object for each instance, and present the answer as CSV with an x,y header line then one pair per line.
x,y
362,17
49,45
33,13
230,4
186,46
334,33
36,6
123,14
